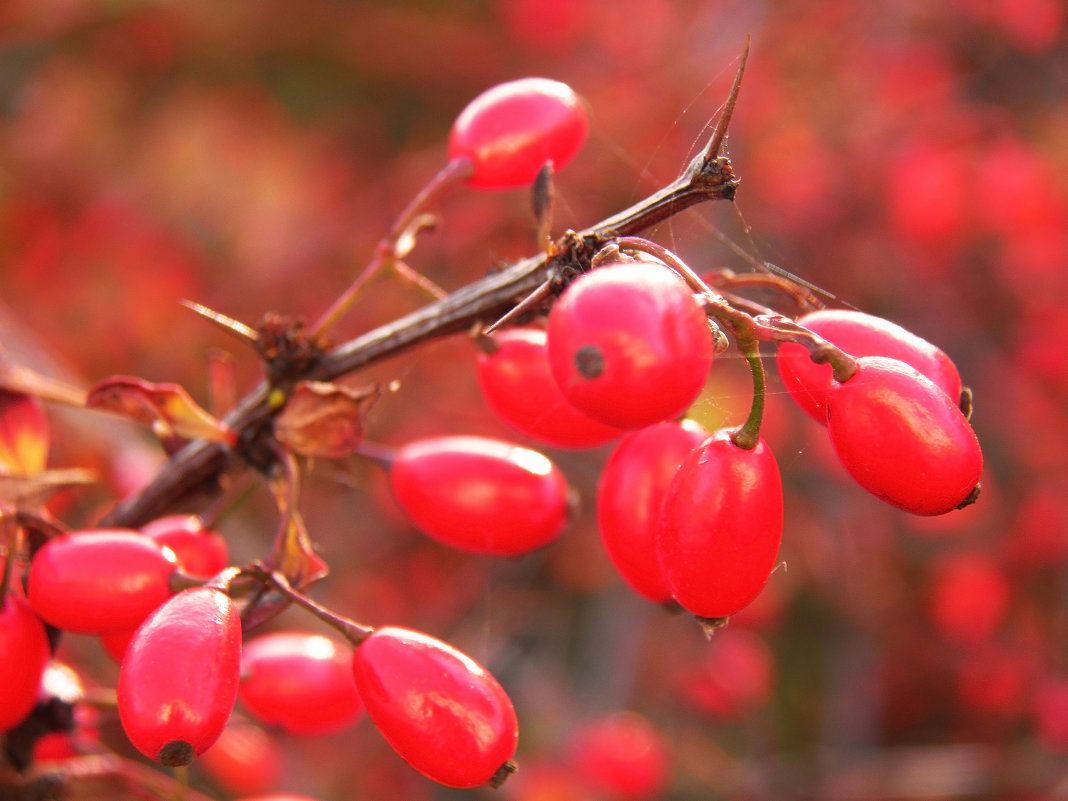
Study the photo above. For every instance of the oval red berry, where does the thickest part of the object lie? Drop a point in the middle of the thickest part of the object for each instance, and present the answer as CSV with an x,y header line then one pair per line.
x,y
100,581
24,645
481,495
509,131
629,346
858,334
630,492
439,709
179,676
201,552
518,384
720,526
300,682
902,438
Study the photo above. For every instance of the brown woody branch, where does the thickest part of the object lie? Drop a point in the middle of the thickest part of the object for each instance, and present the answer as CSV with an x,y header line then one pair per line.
x,y
200,467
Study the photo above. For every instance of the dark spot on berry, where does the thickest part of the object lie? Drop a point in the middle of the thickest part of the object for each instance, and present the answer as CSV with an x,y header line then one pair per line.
x,y
589,361
502,774
176,753
973,496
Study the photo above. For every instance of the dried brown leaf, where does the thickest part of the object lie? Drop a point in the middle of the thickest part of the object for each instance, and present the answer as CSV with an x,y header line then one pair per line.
x,y
323,419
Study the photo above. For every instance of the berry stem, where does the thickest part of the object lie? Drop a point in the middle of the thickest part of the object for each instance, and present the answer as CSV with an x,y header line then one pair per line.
x,y
382,455
354,632
800,295
400,240
747,435
670,260
776,328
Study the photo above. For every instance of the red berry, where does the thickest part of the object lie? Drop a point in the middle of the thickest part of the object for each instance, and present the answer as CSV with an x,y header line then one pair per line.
x,y
720,526
902,438
629,345
439,709
630,491
480,495
245,759
509,131
735,676
969,597
99,581
858,334
178,680
1050,709
301,682
519,386
115,643
622,757
24,645
201,553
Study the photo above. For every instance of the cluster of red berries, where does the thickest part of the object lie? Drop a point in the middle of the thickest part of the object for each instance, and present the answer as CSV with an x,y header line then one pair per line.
x,y
183,666
687,515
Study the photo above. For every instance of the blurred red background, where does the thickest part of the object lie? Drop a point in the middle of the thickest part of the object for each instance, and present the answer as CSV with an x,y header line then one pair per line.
x,y
910,158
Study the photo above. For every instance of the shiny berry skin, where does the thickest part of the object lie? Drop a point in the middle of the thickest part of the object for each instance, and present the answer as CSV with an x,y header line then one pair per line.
x,y
438,708
201,553
518,384
630,491
99,581
178,680
25,649
858,334
628,345
300,682
509,131
902,438
480,495
720,526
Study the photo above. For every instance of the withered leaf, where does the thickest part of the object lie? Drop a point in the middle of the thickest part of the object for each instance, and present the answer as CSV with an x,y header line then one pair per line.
x,y
323,419
168,408
293,552
28,491
19,379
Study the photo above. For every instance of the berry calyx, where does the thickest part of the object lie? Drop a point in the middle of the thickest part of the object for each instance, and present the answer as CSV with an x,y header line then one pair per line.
x,y
720,526
179,676
480,495
439,709
300,682
99,581
630,492
858,334
902,438
511,130
518,384
628,344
